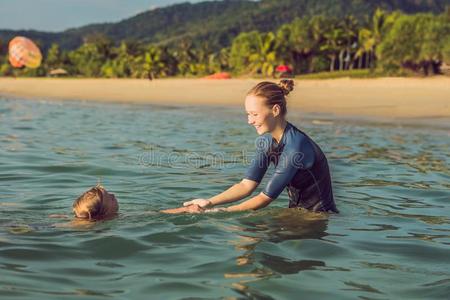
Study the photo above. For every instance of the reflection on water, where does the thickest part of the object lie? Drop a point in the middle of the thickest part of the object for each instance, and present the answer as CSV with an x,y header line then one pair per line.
x,y
391,183
266,227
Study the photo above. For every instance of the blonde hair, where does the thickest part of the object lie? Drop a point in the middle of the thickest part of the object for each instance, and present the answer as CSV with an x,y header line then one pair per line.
x,y
95,204
274,93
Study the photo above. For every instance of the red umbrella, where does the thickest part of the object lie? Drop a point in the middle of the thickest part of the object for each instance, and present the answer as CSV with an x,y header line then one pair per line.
x,y
283,69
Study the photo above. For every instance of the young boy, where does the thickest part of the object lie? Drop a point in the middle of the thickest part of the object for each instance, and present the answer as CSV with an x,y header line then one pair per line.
x,y
96,204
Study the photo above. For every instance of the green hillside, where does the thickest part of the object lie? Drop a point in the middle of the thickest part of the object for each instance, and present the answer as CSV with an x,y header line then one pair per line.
x,y
218,22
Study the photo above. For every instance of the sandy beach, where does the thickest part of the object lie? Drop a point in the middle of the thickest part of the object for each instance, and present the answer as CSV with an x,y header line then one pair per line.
x,y
382,97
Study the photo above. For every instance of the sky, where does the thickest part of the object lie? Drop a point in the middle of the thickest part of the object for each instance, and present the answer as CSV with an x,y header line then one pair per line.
x,y
58,15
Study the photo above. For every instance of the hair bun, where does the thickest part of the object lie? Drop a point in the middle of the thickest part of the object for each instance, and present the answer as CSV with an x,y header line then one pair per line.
x,y
287,85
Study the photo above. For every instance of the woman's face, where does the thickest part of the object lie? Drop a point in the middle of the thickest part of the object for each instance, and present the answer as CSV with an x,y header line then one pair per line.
x,y
262,117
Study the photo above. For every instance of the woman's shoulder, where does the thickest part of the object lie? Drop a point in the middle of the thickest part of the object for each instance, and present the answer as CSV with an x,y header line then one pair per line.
x,y
299,144
296,137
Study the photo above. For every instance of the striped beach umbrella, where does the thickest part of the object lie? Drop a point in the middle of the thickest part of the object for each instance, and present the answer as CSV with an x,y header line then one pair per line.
x,y
23,52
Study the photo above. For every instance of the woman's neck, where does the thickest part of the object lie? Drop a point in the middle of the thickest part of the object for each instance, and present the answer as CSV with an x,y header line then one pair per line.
x,y
277,133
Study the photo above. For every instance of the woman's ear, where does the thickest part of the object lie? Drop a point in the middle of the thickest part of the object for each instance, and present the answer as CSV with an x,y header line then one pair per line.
x,y
276,110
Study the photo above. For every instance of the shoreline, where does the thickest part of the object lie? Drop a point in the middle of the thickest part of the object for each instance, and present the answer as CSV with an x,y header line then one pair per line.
x,y
379,98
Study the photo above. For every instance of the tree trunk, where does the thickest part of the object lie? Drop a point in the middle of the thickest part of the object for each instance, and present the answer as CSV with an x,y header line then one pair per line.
x,y
333,60
372,58
425,66
348,61
436,65
352,64
297,61
368,59
360,61
309,62
341,60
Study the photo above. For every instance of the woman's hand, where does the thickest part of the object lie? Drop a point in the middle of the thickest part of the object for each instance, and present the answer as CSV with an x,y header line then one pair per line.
x,y
194,208
203,203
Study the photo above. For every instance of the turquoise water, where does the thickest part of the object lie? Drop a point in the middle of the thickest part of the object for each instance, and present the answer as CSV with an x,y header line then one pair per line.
x,y
391,182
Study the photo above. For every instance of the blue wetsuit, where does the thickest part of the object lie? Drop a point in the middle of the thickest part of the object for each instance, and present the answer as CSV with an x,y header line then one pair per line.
x,y
300,165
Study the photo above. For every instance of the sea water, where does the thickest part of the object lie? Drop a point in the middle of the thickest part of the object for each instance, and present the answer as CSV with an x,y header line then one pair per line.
x,y
391,183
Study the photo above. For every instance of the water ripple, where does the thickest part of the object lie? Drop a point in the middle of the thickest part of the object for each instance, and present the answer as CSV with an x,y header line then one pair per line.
x,y
391,184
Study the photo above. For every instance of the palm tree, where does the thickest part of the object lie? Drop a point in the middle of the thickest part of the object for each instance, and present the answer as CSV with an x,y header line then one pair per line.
x,y
219,61
264,59
296,45
154,63
185,57
381,23
242,47
254,52
285,43
53,59
366,44
87,60
350,31
333,44
317,28
369,39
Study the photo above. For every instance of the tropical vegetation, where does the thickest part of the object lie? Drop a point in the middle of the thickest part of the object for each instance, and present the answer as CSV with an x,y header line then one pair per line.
x,y
382,43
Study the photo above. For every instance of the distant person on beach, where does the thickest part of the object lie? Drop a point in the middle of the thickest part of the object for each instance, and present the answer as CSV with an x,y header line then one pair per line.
x,y
300,165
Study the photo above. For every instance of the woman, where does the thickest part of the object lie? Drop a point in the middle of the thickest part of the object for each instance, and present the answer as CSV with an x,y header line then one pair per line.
x,y
300,165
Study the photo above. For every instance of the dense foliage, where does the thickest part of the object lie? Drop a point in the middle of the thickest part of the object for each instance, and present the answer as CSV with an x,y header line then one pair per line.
x,y
384,41
218,22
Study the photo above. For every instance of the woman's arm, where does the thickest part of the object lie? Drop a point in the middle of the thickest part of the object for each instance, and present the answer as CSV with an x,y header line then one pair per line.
x,y
289,163
254,203
237,192
257,202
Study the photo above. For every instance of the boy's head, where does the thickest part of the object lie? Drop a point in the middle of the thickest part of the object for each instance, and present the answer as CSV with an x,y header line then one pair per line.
x,y
95,204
